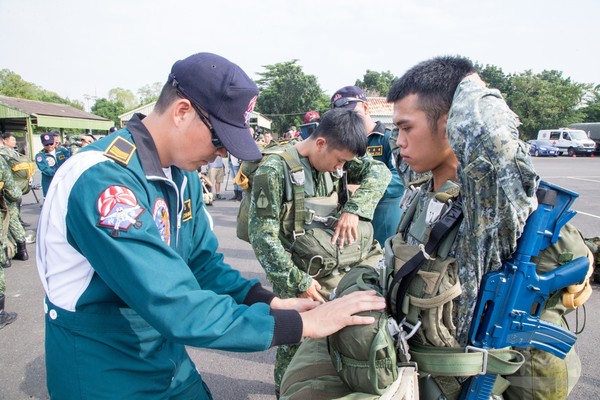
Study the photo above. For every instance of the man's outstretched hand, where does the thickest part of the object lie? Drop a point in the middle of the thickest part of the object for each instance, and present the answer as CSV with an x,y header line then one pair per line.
x,y
332,316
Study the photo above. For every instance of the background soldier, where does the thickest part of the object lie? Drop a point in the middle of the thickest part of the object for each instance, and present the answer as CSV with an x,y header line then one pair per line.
x,y
334,145
8,192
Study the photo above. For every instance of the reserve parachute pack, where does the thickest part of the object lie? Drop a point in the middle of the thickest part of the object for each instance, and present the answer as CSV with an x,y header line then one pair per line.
x,y
22,170
307,223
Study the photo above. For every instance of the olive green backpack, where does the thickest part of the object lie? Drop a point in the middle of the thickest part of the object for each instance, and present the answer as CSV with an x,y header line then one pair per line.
x,y
364,356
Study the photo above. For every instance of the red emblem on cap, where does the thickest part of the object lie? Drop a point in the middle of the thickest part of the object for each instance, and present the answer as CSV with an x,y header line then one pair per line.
x,y
248,112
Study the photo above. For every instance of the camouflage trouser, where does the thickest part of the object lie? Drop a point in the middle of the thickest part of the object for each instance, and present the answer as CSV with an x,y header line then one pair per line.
x,y
2,280
3,242
594,245
283,358
15,228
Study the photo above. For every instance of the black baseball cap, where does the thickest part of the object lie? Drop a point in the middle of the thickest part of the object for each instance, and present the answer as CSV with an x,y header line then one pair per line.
x,y
226,93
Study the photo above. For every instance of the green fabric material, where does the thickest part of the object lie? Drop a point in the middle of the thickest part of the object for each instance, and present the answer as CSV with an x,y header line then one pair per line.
x,y
364,355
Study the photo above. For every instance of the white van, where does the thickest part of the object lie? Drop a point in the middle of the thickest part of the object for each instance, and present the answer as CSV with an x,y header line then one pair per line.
x,y
570,141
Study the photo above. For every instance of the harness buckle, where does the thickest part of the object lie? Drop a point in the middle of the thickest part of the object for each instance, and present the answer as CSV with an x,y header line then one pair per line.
x,y
409,196
297,177
485,357
328,221
412,328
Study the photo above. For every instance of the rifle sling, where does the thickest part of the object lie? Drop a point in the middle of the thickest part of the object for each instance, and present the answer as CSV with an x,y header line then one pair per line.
x,y
405,275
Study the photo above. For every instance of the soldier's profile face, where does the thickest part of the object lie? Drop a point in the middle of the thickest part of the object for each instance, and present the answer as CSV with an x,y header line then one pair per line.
x,y
330,160
420,147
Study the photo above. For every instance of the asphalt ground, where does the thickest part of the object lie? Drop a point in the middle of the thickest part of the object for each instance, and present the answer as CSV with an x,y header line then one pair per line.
x,y
236,376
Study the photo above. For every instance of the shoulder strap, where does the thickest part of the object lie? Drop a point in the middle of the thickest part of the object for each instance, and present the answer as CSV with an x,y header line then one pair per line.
x,y
404,276
290,156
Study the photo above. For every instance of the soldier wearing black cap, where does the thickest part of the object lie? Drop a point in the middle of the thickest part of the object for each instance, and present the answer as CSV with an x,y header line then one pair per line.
x,y
129,261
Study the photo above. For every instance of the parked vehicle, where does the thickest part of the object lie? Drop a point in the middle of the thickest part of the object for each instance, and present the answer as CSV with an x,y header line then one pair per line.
x,y
538,148
570,141
593,131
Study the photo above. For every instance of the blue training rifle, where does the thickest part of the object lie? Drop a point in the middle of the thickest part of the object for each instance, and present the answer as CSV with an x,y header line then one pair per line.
x,y
511,299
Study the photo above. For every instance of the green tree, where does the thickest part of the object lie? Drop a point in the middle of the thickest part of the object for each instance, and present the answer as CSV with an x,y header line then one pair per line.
x,y
545,100
109,109
123,96
591,111
376,84
287,93
149,93
495,78
12,85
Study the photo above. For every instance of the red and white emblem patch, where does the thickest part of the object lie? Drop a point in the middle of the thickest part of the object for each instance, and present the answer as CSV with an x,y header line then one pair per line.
x,y
119,209
160,214
249,110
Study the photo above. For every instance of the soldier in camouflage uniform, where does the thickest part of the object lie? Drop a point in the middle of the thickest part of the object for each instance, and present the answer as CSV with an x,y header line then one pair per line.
x,y
16,229
336,143
8,192
451,125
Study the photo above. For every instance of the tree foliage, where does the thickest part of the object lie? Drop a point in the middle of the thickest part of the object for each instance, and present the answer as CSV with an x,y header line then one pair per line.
x,y
376,84
287,93
544,101
123,96
109,109
591,111
149,93
12,85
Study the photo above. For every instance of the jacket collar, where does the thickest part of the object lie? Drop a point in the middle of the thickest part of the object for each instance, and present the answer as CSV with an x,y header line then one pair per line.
x,y
148,154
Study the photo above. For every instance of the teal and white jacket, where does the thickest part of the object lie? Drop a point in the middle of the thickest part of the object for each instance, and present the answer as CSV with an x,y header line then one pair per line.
x,y
120,242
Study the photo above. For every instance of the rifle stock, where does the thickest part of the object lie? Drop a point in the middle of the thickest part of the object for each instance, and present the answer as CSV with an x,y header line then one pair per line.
x,y
511,299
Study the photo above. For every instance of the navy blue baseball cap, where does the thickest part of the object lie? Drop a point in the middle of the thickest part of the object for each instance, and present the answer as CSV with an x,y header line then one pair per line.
x,y
347,97
226,93
47,138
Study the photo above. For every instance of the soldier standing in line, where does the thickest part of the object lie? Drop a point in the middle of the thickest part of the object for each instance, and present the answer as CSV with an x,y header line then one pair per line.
x,y
16,226
8,192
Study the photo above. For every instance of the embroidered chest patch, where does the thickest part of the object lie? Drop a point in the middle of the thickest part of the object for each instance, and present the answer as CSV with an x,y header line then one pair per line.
x,y
160,215
51,161
119,209
375,150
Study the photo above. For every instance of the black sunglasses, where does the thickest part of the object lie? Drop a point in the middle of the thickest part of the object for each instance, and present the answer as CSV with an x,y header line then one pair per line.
x,y
203,115
344,101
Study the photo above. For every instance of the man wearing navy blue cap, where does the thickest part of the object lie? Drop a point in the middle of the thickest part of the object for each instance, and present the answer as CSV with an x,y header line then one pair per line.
x,y
49,159
128,258
388,212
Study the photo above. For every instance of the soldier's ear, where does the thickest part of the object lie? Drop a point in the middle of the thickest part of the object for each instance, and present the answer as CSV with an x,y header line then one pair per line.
x,y
441,125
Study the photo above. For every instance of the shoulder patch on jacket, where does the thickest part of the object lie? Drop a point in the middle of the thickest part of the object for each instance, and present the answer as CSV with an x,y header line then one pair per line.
x,y
119,209
120,150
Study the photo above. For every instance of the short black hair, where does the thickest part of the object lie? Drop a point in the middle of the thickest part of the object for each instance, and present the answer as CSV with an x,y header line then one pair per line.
x,y
434,81
167,96
344,130
6,135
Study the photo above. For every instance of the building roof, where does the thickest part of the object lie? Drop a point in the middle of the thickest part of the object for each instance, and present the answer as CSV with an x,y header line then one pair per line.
x,y
49,109
380,109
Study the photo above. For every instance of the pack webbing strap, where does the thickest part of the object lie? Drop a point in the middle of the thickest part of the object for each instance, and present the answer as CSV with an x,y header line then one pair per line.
x,y
290,156
405,275
446,361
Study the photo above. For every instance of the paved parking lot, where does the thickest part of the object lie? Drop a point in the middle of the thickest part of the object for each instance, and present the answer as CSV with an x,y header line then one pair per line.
x,y
235,376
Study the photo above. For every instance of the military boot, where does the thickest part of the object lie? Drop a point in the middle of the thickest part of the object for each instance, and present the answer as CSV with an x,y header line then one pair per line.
x,y
21,253
5,316
7,263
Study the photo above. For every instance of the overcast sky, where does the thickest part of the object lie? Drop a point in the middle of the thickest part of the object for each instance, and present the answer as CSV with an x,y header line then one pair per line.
x,y
83,47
